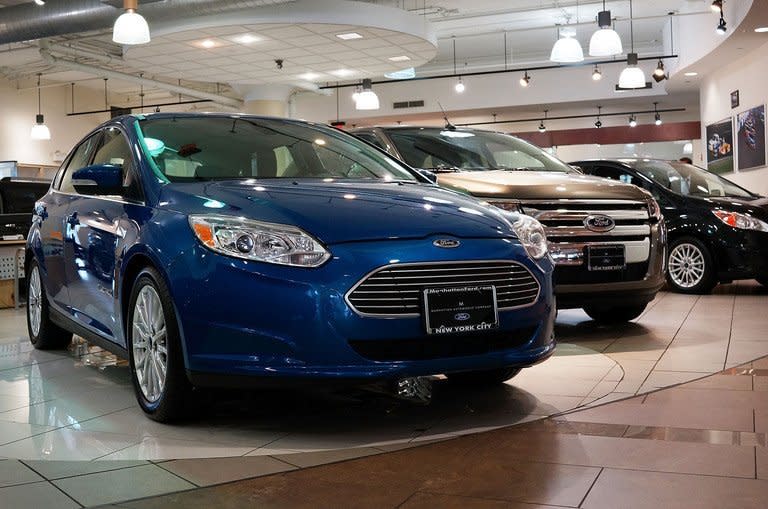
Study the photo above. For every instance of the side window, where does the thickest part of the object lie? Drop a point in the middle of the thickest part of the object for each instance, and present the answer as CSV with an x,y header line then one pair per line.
x,y
115,150
372,139
80,159
609,172
284,161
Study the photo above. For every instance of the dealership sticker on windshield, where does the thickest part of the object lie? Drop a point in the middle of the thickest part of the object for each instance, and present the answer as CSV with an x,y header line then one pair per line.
x,y
460,310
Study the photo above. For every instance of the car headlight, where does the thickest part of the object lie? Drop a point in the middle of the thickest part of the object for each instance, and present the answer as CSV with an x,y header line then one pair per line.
x,y
654,211
742,221
508,205
256,240
531,235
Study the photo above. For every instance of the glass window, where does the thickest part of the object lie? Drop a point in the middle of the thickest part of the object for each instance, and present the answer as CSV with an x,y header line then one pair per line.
x,y
448,149
80,159
613,173
218,148
372,139
688,180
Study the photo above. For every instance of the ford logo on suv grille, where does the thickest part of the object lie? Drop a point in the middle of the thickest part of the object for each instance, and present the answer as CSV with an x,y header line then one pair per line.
x,y
446,243
599,223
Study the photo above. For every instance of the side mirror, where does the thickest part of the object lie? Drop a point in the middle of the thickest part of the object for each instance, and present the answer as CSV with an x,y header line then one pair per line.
x,y
431,176
99,179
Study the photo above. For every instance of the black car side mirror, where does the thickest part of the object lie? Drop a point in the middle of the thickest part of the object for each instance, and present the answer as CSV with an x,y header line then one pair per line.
x,y
99,179
431,176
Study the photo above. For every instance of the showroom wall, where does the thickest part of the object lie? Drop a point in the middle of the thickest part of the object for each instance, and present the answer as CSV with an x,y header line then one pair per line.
x,y
19,106
748,75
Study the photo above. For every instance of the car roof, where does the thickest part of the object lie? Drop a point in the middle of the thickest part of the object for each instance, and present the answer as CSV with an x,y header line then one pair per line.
x,y
426,128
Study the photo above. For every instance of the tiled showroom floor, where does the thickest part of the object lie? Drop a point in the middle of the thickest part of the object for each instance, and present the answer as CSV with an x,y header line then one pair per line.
x,y
59,410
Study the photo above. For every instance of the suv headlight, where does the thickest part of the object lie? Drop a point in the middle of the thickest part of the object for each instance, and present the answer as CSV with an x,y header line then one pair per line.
x,y
531,235
654,211
256,240
742,221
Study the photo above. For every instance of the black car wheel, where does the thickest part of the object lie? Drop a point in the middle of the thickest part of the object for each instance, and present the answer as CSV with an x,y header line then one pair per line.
x,y
615,314
690,268
43,333
154,349
483,378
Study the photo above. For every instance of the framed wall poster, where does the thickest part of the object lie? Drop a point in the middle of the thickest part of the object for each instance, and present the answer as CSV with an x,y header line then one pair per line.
x,y
719,145
750,133
734,99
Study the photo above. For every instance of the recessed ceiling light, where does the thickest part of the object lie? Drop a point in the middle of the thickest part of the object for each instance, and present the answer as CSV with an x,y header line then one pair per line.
x,y
349,36
400,58
309,76
341,73
761,30
691,74
246,38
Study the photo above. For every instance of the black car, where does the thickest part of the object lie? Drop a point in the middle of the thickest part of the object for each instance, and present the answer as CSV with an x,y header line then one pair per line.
x,y
717,231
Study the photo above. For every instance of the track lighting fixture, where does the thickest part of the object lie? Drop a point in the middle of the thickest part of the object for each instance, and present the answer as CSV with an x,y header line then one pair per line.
x,y
660,73
605,42
722,27
367,99
542,127
131,27
39,130
525,80
717,6
657,116
598,122
632,120
39,2
658,119
460,87
597,74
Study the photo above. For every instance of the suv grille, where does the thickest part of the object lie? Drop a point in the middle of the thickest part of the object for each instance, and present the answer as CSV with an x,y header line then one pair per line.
x,y
397,289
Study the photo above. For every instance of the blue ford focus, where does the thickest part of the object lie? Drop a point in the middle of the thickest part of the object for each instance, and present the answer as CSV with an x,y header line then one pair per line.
x,y
228,250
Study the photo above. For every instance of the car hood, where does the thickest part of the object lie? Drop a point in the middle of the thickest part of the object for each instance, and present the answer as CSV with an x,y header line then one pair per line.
x,y
344,211
539,185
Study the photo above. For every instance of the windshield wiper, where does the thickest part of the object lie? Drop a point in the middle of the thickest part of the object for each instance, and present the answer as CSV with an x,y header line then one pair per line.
x,y
444,169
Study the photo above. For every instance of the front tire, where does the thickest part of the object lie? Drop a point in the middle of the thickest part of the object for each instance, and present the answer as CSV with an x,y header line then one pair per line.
x,y
154,350
616,314
690,267
483,378
43,333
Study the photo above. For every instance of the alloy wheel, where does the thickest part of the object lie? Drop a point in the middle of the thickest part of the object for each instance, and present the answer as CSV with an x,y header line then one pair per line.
x,y
149,344
686,265
35,301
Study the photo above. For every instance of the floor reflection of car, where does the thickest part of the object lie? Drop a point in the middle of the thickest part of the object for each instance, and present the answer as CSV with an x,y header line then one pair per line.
x,y
718,231
225,250
605,238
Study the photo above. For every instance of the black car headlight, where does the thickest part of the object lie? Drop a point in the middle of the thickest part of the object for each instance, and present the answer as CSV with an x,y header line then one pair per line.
x,y
741,221
531,235
259,241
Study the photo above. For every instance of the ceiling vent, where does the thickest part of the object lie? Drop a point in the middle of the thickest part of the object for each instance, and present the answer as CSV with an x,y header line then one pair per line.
x,y
408,104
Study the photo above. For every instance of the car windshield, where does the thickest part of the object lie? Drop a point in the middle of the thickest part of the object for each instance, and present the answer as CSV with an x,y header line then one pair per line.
x,y
219,148
456,149
688,180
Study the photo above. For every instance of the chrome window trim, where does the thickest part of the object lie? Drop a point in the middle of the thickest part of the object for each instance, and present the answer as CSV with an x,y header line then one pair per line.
x,y
106,197
412,264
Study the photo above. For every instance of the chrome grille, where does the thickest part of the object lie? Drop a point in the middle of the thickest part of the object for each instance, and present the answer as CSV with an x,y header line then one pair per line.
x,y
396,289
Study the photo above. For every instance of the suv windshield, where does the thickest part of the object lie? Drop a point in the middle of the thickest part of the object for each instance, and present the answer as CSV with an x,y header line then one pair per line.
x,y
688,180
450,150
218,148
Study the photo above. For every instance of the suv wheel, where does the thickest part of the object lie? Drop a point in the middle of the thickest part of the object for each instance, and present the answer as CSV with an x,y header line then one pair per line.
x,y
690,268
154,350
616,314
483,378
43,333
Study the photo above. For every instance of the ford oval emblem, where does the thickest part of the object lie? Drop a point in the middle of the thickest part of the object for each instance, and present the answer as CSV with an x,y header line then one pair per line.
x,y
599,223
461,317
446,243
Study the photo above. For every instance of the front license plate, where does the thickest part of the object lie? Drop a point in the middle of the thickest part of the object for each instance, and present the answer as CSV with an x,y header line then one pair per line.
x,y
606,257
460,310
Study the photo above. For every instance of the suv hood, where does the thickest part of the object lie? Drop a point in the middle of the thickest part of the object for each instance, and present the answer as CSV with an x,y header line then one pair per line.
x,y
539,185
344,211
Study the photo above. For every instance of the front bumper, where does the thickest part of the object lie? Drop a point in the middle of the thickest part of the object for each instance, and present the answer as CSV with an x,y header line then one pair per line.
x,y
636,286
244,320
741,254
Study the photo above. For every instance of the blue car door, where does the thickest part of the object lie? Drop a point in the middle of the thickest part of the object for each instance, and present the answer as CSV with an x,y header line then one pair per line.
x,y
100,226
51,214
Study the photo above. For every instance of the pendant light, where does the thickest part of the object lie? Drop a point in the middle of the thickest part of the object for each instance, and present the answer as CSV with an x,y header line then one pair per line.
x,y
525,80
632,76
367,99
598,122
632,120
542,127
39,131
657,117
605,42
131,27
567,49
722,27
597,74
460,88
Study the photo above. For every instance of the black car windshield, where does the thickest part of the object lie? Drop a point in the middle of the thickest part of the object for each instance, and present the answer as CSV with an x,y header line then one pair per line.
x,y
218,148
457,149
688,180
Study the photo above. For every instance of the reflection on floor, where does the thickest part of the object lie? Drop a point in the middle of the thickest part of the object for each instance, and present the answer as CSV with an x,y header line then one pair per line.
x,y
59,408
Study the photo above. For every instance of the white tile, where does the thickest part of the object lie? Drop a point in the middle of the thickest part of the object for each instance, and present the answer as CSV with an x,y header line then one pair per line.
x,y
13,472
159,448
37,495
66,444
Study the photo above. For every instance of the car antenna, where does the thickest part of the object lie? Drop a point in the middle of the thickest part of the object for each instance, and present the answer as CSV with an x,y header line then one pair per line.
x,y
448,124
